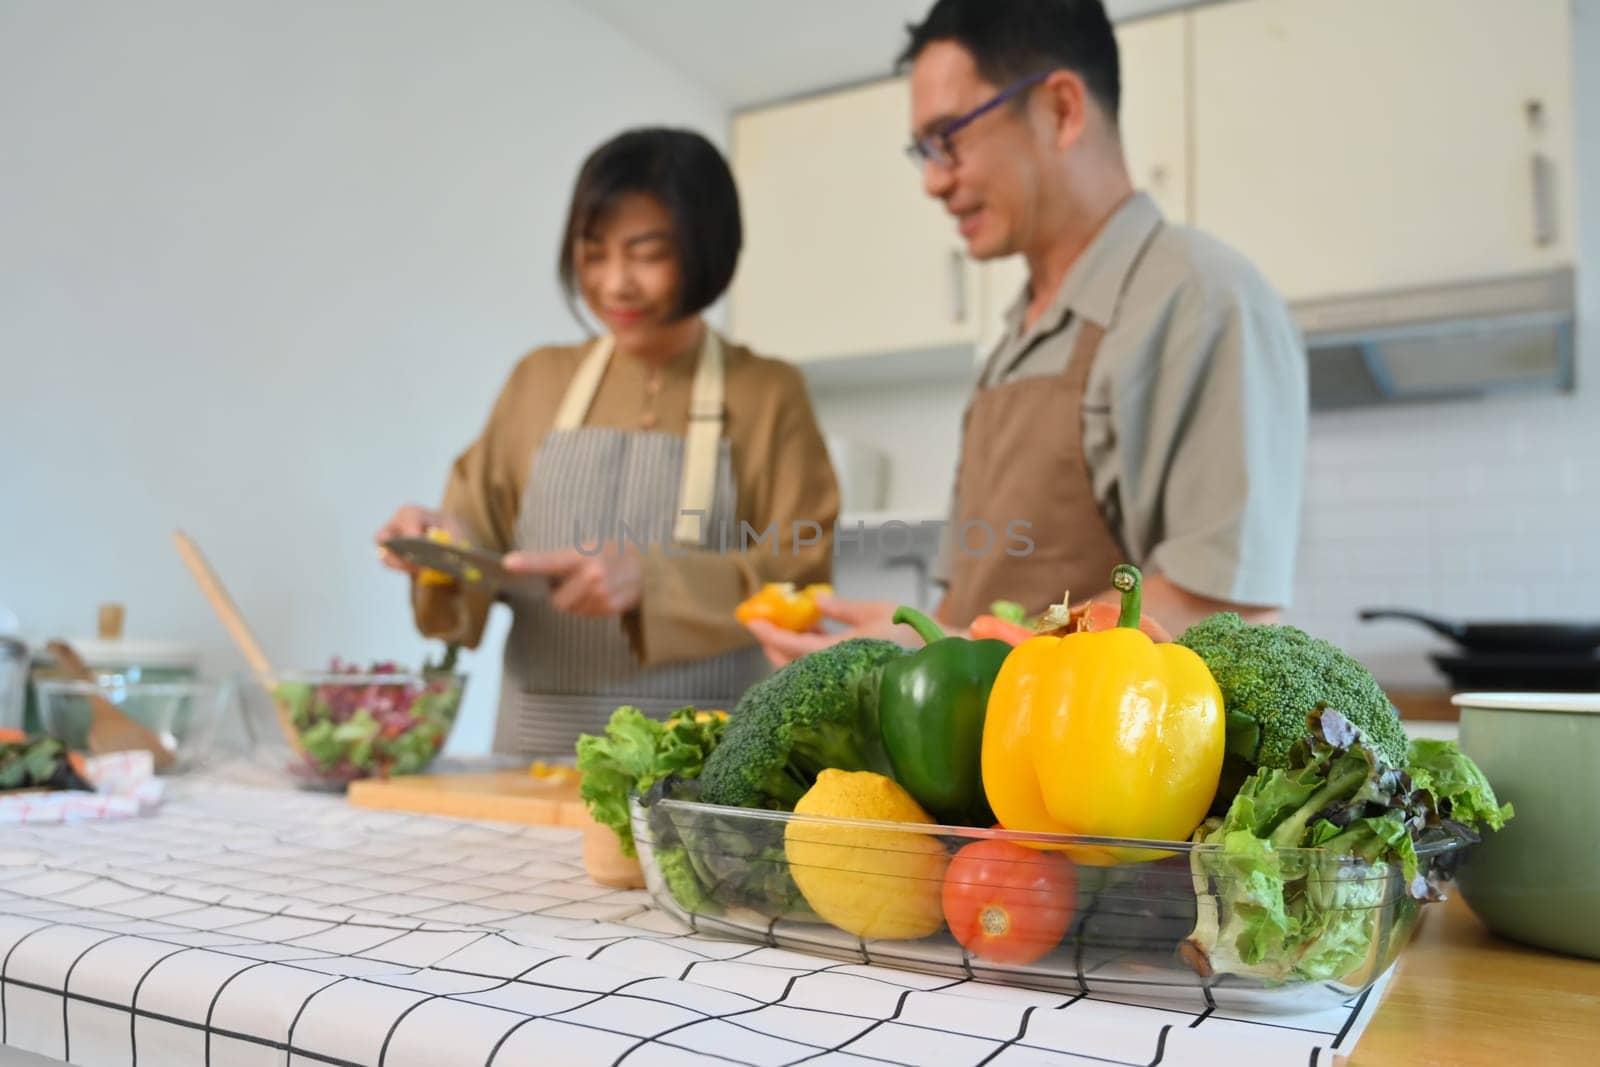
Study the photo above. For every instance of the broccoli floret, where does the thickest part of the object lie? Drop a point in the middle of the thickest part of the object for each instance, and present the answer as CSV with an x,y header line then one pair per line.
x,y
818,712
1272,677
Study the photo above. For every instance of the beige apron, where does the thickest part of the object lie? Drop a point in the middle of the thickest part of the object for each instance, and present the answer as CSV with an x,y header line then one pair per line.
x,y
1022,462
564,674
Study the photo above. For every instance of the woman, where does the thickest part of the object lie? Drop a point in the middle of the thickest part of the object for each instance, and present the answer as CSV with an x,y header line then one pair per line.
x,y
656,475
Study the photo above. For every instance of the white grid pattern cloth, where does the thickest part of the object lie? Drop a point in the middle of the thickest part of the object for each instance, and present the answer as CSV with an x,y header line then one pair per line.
x,y
242,927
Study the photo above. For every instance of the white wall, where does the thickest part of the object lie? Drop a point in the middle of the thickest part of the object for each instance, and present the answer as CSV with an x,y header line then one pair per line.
x,y
263,268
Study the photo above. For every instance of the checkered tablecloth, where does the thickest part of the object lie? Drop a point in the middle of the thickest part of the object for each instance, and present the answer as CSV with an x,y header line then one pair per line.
x,y
243,926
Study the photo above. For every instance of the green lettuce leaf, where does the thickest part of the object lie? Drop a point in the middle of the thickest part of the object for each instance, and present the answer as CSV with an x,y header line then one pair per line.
x,y
679,874
635,752
1301,865
1460,789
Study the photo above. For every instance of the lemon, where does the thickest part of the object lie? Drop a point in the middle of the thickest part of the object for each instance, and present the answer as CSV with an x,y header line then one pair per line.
x,y
878,884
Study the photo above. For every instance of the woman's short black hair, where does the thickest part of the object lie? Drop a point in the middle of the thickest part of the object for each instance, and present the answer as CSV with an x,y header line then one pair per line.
x,y
688,175
1011,39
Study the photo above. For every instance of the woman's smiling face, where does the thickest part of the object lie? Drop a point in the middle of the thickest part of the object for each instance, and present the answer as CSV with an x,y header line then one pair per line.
x,y
628,268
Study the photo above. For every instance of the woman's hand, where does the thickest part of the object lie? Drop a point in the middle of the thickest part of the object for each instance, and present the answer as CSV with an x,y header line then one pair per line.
x,y
860,618
414,520
606,583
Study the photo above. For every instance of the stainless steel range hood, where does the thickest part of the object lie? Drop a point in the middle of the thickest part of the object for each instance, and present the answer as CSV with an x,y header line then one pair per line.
x,y
1441,342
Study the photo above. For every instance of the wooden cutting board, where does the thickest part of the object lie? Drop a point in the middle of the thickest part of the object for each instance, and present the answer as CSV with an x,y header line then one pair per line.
x,y
506,796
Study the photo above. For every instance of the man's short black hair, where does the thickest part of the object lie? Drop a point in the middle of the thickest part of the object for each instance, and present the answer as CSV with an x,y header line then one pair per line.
x,y
689,176
1011,39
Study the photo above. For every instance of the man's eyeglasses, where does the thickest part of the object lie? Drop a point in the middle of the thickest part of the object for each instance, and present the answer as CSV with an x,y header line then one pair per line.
x,y
938,148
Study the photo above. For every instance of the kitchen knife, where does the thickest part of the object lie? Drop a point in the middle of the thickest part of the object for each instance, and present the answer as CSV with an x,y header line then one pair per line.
x,y
469,566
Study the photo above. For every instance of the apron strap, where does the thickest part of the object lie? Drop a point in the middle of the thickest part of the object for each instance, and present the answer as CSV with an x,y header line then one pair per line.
x,y
697,484
1083,352
580,394
1089,334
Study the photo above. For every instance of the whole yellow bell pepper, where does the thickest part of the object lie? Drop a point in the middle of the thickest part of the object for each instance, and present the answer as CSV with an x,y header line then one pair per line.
x,y
1105,734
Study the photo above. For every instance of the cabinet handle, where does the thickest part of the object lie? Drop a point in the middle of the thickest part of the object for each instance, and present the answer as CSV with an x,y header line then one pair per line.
x,y
958,287
1544,206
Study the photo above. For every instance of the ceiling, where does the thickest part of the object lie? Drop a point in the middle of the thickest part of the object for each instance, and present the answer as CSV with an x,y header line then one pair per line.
x,y
749,52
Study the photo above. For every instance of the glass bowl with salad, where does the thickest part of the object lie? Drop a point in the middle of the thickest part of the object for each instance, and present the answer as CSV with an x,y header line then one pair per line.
x,y
329,727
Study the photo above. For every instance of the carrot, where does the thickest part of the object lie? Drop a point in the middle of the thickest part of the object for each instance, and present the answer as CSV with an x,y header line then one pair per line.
x,y
12,737
992,626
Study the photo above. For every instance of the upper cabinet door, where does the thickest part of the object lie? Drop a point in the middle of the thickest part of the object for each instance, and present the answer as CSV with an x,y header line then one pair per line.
x,y
1365,144
1154,116
844,254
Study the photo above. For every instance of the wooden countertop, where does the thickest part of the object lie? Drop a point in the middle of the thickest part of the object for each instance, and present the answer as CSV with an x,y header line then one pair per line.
x,y
1429,704
1463,996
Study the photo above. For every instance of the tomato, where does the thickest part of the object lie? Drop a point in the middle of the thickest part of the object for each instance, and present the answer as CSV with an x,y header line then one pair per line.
x,y
1007,903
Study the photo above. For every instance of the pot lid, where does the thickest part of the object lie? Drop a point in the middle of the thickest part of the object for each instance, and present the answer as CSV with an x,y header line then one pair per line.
x,y
124,653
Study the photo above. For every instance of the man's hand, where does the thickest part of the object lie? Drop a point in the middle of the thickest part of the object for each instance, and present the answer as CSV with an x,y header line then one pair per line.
x,y
414,520
607,583
859,618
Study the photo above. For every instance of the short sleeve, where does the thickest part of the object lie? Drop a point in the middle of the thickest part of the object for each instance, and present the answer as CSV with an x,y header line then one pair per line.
x,y
1234,449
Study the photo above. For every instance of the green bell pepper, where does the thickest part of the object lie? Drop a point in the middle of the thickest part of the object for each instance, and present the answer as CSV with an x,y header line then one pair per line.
x,y
930,714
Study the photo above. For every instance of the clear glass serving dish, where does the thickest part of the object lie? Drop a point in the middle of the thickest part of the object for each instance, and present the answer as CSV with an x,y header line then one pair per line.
x,y
1145,919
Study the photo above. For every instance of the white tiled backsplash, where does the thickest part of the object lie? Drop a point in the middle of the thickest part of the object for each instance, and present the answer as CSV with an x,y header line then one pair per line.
x,y
1469,509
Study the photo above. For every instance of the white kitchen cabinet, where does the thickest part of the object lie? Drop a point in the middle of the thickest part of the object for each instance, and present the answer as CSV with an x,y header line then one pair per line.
x,y
1154,109
1153,116
1361,145
844,254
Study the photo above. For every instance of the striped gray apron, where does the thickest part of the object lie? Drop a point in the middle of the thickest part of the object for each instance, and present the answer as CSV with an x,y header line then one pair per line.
x,y
564,674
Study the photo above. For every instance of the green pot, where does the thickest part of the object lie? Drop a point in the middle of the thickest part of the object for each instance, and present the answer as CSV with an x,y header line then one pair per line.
x,y
1538,879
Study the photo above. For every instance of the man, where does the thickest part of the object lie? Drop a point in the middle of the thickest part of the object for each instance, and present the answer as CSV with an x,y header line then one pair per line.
x,y
1148,400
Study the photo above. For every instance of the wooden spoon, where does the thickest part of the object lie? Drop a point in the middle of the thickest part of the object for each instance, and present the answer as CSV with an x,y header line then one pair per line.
x,y
234,623
111,729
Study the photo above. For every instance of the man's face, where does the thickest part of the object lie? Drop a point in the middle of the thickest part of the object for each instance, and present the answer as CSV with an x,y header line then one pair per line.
x,y
989,188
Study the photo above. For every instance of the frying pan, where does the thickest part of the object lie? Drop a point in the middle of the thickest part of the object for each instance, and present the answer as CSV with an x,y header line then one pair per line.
x,y
1547,637
1523,672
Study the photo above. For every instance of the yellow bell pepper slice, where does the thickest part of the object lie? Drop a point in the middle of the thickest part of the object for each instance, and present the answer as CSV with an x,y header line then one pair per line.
x,y
430,577
554,773
781,604
1104,734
